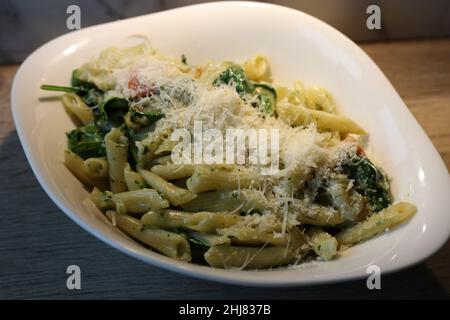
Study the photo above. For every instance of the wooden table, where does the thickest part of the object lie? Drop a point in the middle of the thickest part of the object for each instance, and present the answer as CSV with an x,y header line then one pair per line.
x,y
38,242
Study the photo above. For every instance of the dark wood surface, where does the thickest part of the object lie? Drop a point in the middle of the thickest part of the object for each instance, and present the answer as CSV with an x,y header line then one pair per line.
x,y
38,242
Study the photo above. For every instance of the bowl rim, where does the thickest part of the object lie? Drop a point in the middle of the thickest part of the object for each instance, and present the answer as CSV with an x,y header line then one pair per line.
x,y
233,277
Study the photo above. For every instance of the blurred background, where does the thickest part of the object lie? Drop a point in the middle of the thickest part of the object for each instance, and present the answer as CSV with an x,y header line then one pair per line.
x,y
26,24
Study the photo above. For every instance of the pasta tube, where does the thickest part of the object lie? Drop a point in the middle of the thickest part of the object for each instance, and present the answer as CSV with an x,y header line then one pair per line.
x,y
249,257
244,201
206,178
254,237
116,153
174,194
165,147
135,202
297,115
162,160
173,171
97,167
257,68
148,146
377,223
166,219
207,222
75,164
319,99
75,107
166,242
206,240
320,216
133,180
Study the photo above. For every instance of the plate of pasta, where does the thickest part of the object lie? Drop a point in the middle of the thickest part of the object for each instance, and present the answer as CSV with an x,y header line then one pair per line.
x,y
218,150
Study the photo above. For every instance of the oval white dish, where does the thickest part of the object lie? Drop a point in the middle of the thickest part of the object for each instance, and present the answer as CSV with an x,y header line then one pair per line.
x,y
300,47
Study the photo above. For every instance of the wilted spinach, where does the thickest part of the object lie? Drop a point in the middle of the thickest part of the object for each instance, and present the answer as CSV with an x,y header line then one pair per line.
x,y
370,181
88,91
113,110
87,141
235,75
266,98
265,94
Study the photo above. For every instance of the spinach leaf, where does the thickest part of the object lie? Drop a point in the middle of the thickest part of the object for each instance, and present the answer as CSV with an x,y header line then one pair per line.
x,y
266,98
103,125
92,95
235,75
193,237
113,110
87,141
370,181
132,136
88,91
50,87
145,110
266,95
110,114
75,81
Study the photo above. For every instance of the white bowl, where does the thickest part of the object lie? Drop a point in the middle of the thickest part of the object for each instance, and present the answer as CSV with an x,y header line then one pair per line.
x,y
300,47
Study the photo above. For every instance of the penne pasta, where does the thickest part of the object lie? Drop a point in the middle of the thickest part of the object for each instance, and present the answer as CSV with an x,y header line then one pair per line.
x,y
319,99
75,107
209,222
75,164
147,147
133,202
206,240
97,167
166,242
249,257
254,237
165,147
173,171
116,153
174,194
321,216
244,201
163,160
206,178
133,180
257,68
377,223
103,200
166,219
297,115
205,222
